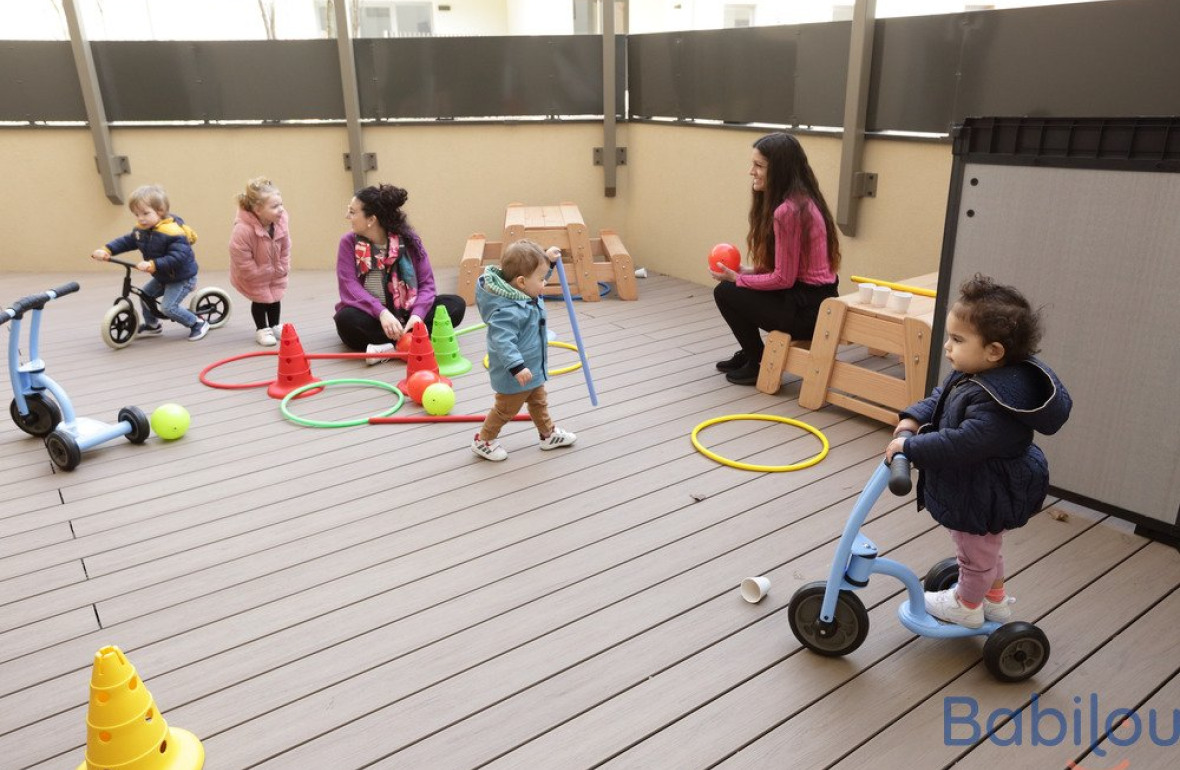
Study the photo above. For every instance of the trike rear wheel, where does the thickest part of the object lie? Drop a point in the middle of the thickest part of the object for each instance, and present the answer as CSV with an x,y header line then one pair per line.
x,y
942,575
1016,651
848,631
44,415
63,450
119,325
141,427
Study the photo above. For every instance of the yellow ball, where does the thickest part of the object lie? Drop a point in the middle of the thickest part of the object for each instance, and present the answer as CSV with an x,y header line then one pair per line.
x,y
170,421
438,399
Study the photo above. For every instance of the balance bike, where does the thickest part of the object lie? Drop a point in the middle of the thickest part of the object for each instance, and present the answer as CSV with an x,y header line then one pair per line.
x,y
828,618
40,407
120,324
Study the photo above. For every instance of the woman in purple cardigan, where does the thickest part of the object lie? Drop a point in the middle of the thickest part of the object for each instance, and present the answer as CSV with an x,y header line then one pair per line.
x,y
386,283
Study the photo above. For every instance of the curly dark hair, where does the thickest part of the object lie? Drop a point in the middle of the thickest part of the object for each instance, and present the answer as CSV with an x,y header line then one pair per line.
x,y
385,202
1000,314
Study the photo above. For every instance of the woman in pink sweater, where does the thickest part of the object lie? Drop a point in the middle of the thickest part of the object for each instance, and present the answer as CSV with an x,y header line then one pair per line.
x,y
260,256
794,254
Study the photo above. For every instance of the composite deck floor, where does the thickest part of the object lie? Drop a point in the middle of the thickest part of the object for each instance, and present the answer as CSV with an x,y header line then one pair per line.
x,y
376,596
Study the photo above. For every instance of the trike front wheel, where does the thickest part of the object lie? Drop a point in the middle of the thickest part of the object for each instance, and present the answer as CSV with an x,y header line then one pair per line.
x,y
847,631
119,325
44,415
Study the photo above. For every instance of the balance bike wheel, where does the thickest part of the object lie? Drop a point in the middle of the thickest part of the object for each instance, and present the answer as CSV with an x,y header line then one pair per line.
x,y
1016,651
851,622
63,450
119,324
141,427
211,304
44,415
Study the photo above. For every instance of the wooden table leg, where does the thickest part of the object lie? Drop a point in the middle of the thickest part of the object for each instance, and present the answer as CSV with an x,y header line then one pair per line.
x,y
580,252
916,358
825,343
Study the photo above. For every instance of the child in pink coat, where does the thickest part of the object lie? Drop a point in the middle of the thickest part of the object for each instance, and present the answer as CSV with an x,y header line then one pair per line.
x,y
260,256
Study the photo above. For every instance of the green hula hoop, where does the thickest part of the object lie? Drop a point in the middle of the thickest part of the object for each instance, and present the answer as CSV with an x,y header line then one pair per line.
x,y
765,468
401,399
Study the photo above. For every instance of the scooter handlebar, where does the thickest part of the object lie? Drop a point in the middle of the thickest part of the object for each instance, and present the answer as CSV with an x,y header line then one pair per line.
x,y
35,301
899,471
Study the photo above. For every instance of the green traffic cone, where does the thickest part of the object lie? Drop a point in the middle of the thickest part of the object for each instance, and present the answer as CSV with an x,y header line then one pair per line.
x,y
451,362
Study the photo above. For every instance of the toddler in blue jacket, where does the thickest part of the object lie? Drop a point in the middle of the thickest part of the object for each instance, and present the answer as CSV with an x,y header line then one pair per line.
x,y
165,242
979,472
510,303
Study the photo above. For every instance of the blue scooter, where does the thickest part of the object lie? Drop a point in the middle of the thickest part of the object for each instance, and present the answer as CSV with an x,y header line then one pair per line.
x,y
828,618
40,407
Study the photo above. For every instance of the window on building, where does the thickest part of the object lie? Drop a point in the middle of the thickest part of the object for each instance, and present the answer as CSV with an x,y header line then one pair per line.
x,y
380,18
738,15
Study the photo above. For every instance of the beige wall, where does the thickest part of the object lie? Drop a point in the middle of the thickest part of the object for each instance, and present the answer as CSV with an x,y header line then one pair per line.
x,y
683,190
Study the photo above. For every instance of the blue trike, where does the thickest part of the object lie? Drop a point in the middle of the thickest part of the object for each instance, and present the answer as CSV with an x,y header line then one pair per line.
x,y
828,618
40,407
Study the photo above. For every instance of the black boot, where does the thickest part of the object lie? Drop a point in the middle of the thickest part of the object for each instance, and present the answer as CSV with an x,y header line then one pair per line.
x,y
736,362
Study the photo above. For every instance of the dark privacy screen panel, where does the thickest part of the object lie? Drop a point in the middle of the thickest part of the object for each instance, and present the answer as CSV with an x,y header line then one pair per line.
x,y
1080,215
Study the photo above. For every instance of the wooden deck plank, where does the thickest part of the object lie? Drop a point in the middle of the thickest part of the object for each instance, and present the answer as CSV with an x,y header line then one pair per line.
x,y
292,606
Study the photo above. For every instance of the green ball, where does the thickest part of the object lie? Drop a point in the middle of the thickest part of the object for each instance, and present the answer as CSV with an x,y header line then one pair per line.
x,y
438,399
170,421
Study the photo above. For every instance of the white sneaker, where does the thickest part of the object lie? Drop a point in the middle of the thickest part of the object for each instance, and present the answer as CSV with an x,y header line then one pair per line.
x,y
488,450
945,606
265,337
277,329
1001,611
378,349
558,438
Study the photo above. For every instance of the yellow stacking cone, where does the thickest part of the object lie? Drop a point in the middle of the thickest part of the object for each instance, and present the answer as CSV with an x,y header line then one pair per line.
x,y
124,730
451,362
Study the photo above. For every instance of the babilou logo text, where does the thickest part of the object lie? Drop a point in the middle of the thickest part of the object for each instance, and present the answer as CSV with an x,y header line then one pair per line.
x,y
1085,724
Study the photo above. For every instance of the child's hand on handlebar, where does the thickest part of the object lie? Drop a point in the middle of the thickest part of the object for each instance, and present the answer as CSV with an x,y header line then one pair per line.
x,y
101,255
146,266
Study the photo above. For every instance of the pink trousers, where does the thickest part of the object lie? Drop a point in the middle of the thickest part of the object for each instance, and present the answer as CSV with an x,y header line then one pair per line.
x,y
980,563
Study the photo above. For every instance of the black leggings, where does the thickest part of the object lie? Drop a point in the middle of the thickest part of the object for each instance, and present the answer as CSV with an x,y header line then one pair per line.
x,y
266,314
794,311
358,329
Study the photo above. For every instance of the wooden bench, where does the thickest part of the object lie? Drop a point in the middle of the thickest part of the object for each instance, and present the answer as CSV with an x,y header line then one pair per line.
x,y
592,260
846,321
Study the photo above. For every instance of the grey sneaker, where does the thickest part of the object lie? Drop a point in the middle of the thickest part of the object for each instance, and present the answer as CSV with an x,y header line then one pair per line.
x,y
488,450
199,330
378,349
558,438
149,329
1001,611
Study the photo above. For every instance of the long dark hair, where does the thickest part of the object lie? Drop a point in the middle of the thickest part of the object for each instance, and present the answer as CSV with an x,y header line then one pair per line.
x,y
788,175
385,202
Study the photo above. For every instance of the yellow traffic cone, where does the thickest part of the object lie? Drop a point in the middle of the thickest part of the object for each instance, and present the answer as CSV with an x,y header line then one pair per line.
x,y
124,731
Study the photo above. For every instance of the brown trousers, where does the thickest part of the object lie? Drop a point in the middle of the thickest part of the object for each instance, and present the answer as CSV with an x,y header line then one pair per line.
x,y
508,405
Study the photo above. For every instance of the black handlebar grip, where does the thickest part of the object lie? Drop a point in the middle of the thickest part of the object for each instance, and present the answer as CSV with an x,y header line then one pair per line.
x,y
66,288
899,471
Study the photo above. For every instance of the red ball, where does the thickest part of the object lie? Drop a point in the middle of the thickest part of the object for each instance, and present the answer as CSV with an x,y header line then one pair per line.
x,y
725,254
403,343
420,381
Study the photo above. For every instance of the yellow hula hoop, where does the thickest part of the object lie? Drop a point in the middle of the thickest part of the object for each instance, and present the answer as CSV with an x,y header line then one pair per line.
x,y
553,372
764,468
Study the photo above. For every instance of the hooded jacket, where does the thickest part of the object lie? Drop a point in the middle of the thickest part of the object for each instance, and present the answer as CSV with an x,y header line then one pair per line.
x,y
259,261
517,335
978,468
167,245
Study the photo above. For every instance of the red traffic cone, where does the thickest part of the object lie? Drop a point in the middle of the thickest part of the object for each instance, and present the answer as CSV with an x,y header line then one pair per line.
x,y
125,729
294,369
421,356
